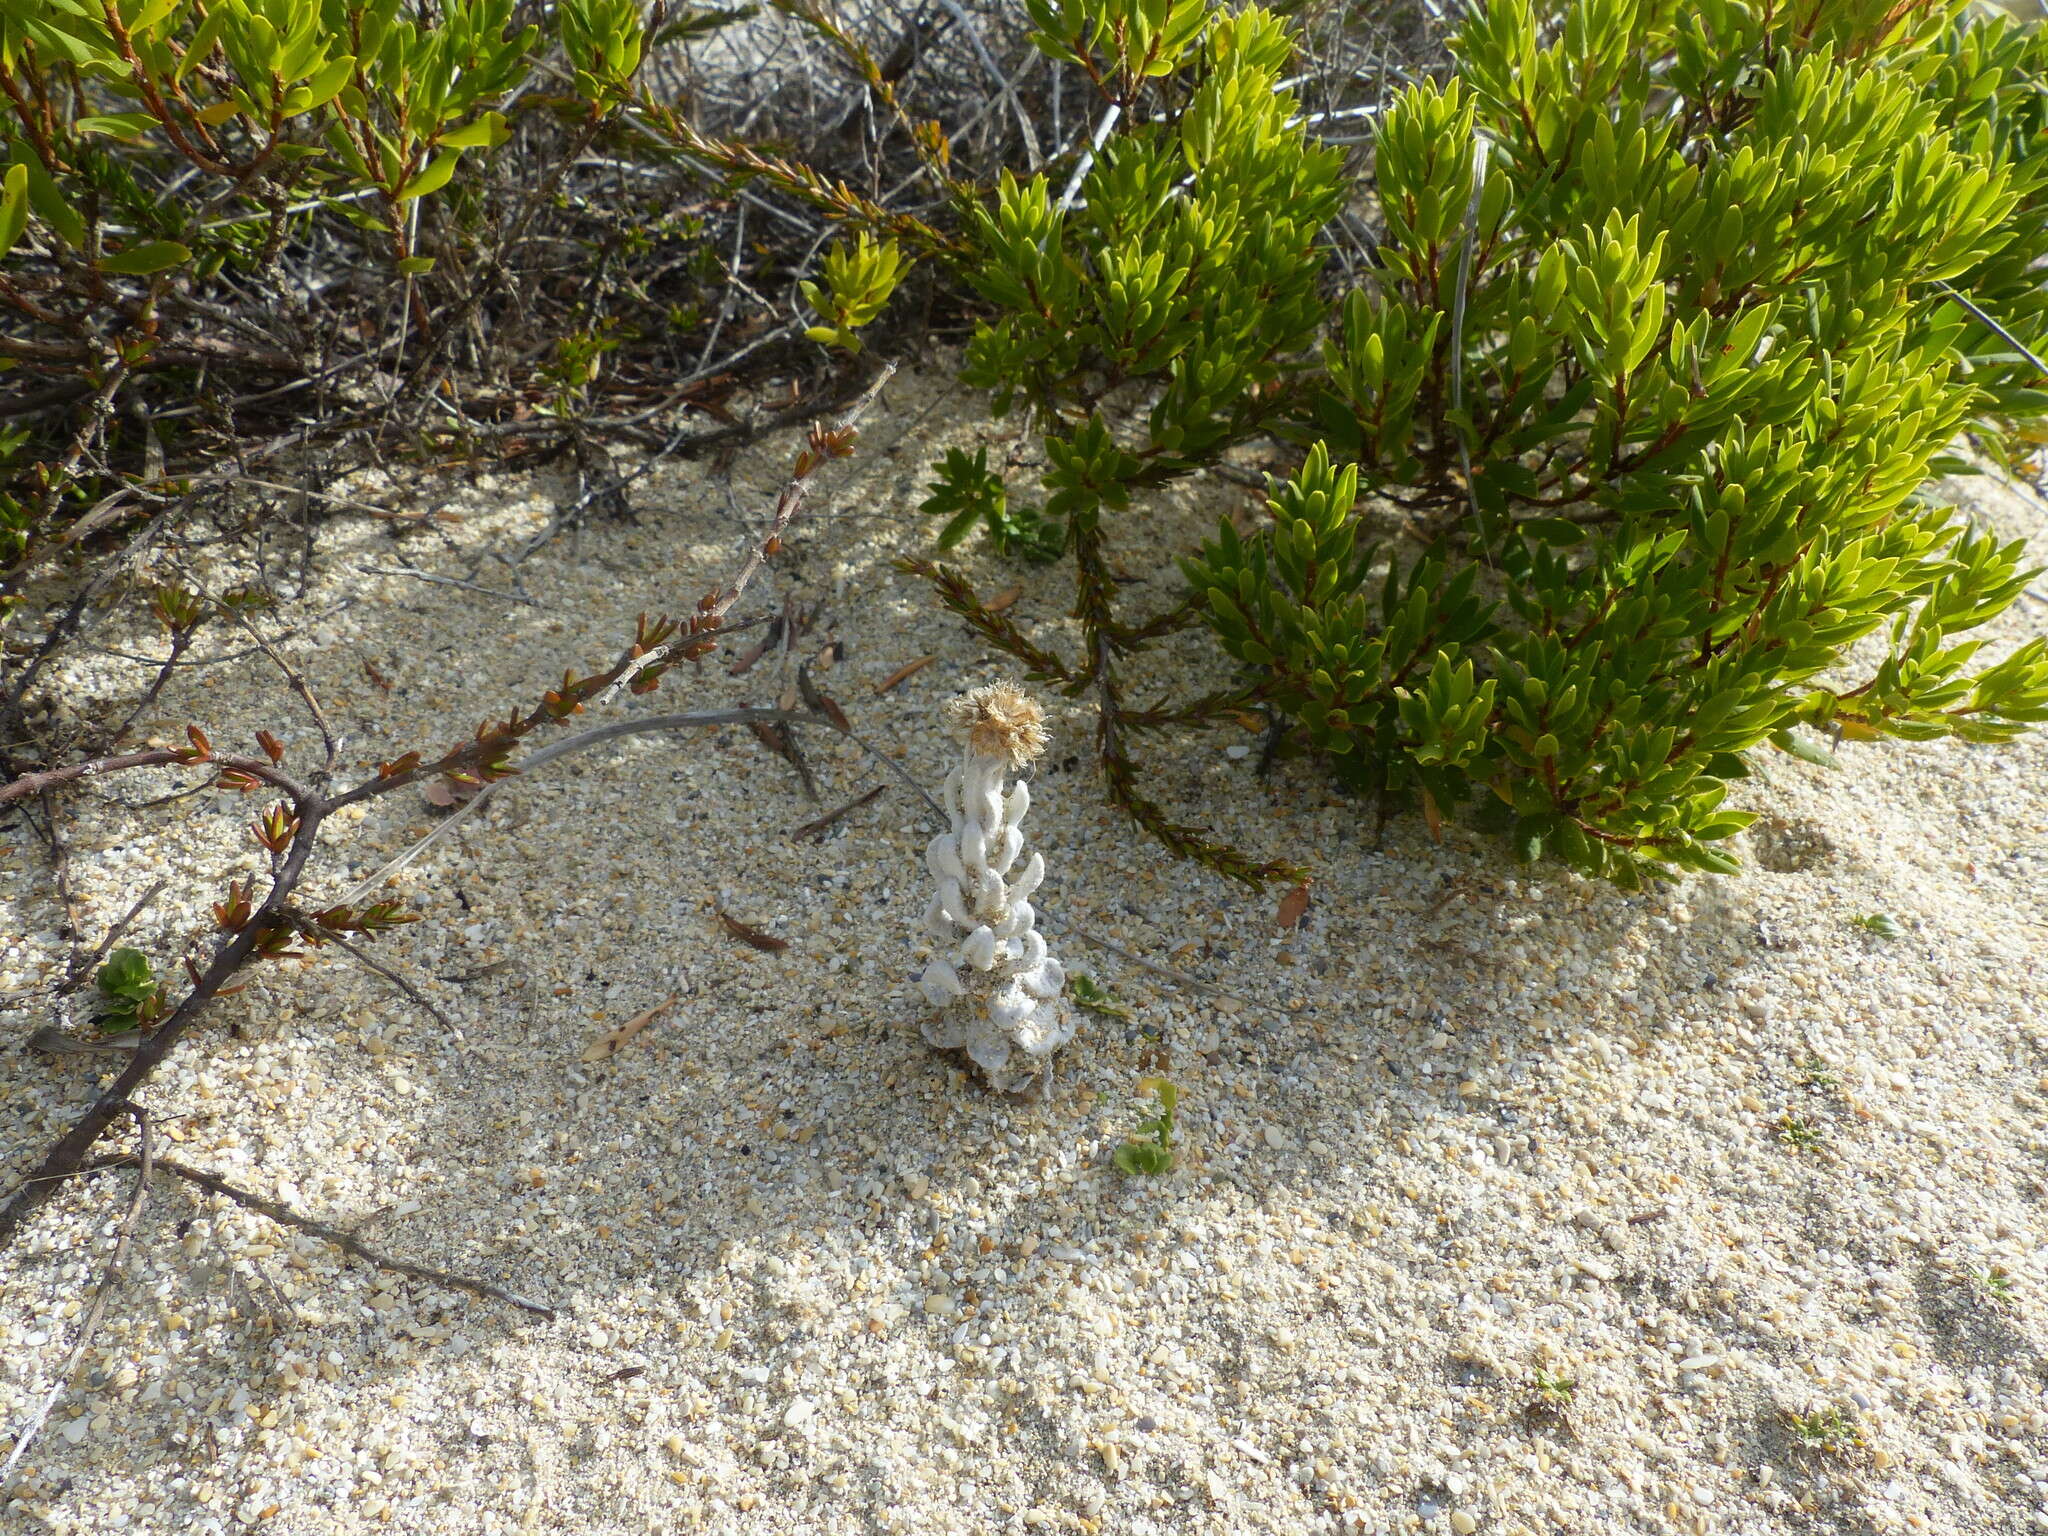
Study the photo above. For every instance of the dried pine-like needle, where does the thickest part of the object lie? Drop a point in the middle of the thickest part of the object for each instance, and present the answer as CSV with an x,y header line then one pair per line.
x,y
824,822
754,938
607,1046
904,673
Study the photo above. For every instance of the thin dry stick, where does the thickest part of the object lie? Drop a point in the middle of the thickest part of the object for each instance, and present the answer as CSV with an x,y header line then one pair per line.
x,y
258,927
712,612
447,581
344,501
545,755
113,937
1033,157
181,639
2005,335
812,828
370,962
60,870
141,1161
298,686
603,733
347,1242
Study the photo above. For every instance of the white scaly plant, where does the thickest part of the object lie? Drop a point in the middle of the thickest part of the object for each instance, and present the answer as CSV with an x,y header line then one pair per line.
x,y
995,992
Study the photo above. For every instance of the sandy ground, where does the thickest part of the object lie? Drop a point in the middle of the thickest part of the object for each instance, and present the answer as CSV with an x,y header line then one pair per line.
x,y
1713,1156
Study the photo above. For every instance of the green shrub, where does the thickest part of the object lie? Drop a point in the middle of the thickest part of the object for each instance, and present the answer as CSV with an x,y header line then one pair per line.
x,y
1676,311
1694,335
1186,260
158,157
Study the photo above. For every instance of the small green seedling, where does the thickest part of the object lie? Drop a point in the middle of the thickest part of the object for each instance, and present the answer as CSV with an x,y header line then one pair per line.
x,y
1094,998
130,995
1814,1073
1883,924
1153,1155
1825,1429
1798,1134
1998,1281
1554,1391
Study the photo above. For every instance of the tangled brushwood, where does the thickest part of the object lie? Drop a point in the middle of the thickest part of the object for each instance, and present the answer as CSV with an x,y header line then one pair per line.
x,y
1674,312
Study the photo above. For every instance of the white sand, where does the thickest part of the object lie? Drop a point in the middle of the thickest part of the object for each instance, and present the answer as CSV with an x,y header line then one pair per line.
x,y
1483,1121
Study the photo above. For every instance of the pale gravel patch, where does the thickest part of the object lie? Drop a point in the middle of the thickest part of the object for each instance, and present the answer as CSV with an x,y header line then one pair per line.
x,y
862,1295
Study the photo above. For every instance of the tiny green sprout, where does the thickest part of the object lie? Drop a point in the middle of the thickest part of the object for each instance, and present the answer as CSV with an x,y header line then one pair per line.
x,y
246,600
1883,924
1554,1391
1998,1281
1153,1155
1814,1073
1095,998
1825,1429
1798,1134
130,996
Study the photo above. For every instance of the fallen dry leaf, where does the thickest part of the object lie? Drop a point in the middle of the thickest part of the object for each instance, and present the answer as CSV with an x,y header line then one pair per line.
x,y
767,943
607,1046
1432,815
908,670
1294,906
770,638
819,701
1003,600
446,794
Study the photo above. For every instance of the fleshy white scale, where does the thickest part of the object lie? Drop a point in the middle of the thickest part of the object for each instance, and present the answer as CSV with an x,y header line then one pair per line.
x,y
995,992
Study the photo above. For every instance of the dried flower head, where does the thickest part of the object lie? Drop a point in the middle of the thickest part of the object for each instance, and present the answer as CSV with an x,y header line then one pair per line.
x,y
1000,721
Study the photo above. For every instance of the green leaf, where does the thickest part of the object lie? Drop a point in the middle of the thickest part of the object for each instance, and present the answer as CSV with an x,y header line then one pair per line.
x,y
325,85
1789,740
1095,999
124,125
126,975
150,257
1143,1157
487,132
13,206
45,199
413,266
1560,532
432,179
